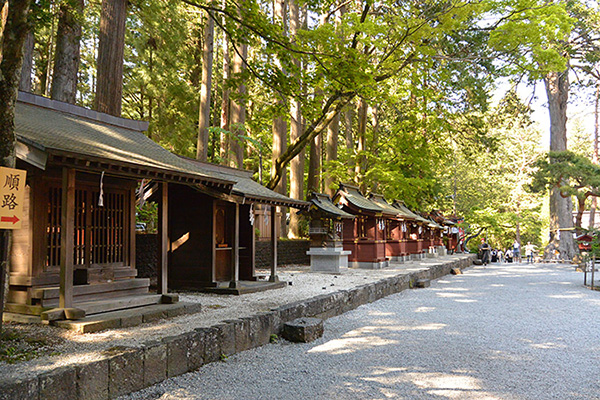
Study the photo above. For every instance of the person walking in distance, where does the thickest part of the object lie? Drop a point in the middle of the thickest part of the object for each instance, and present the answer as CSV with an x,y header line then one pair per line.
x,y
529,249
484,249
516,251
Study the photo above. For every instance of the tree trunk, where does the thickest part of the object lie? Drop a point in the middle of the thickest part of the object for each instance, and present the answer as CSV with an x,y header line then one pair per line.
x,y
14,33
297,163
561,209
111,46
225,104
348,134
204,112
579,217
331,149
361,135
238,110
66,58
279,127
595,155
314,165
28,46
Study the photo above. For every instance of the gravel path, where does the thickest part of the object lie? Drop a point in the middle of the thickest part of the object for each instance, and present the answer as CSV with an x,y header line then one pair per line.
x,y
70,348
512,331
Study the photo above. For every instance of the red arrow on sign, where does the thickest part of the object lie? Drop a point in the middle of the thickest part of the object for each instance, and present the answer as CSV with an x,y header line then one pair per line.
x,y
12,219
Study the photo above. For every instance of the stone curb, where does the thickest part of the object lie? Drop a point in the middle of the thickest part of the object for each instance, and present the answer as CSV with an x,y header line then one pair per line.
x,y
125,370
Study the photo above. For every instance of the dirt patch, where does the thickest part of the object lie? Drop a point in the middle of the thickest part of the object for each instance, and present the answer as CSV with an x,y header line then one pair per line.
x,y
20,343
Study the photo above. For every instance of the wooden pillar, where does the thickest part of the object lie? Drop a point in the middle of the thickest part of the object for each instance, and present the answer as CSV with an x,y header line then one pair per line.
x,y
274,277
67,223
235,265
163,237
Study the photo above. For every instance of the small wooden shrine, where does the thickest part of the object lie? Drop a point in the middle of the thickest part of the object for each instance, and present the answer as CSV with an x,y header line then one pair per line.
x,y
212,233
364,236
326,234
416,229
395,238
76,248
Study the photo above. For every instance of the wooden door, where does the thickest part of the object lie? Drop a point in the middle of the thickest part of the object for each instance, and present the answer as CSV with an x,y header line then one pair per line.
x,y
223,242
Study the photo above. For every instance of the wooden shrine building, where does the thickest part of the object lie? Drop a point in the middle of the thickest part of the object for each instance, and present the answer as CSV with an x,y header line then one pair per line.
x,y
76,247
415,231
395,229
365,235
212,233
326,234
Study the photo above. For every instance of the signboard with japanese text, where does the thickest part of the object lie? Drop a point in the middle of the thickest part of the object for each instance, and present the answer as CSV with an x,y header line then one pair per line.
x,y
12,195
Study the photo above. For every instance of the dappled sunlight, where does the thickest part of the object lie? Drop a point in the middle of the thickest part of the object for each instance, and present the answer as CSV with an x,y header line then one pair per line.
x,y
451,289
466,301
567,296
351,344
497,285
366,337
457,385
424,309
450,295
549,345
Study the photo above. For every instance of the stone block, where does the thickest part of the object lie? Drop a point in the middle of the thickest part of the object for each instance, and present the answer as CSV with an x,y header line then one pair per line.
x,y
226,337
195,350
303,330
58,384
292,311
192,308
241,329
154,315
265,328
177,350
20,389
422,283
155,362
315,306
212,347
176,311
92,380
125,372
132,320
169,298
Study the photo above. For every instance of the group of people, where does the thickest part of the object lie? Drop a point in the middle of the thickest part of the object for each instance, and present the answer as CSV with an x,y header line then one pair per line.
x,y
488,254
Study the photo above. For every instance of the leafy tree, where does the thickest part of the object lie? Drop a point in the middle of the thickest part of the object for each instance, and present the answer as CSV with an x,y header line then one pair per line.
x,y
571,175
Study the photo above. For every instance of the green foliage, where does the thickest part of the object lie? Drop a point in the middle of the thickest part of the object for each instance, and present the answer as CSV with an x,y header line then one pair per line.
x,y
148,214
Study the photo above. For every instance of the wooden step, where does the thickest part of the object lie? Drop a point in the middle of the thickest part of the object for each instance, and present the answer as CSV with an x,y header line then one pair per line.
x,y
119,303
81,290
53,302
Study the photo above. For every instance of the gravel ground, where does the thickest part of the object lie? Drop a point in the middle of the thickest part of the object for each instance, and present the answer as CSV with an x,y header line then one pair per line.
x,y
70,348
511,331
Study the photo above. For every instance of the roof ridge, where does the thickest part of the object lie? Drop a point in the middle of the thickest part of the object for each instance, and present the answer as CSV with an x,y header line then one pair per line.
x,y
107,119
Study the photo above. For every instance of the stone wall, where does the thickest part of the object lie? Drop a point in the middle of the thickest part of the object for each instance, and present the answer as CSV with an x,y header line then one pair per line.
x,y
288,252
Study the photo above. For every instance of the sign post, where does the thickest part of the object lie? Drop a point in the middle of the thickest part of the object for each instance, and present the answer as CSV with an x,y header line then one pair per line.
x,y
12,195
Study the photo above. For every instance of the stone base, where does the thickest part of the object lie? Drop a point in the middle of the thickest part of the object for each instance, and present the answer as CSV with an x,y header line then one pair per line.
x,y
328,259
368,265
303,330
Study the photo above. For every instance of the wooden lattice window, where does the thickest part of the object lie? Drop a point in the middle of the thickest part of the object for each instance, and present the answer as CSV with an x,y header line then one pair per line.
x,y
53,227
99,236
388,229
362,227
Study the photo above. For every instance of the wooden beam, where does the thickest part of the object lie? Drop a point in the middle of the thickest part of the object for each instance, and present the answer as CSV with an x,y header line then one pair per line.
x,y
67,223
273,277
163,237
235,273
